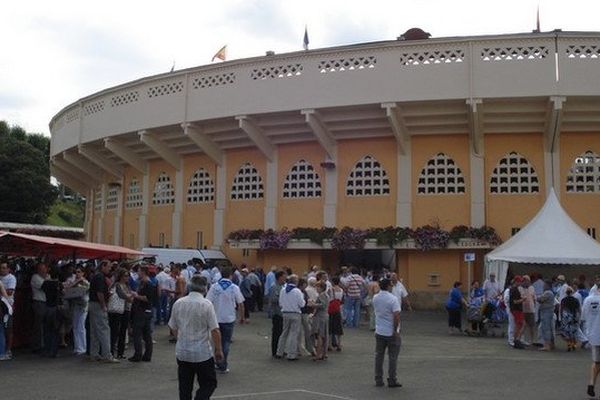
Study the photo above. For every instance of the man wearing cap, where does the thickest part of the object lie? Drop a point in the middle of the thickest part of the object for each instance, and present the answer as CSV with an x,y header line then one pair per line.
x,y
516,309
387,332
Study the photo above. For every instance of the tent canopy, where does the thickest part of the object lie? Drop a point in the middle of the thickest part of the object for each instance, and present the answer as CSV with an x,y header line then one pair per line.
x,y
44,246
551,237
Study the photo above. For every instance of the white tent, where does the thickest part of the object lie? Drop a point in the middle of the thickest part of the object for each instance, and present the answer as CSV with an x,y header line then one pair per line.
x,y
551,237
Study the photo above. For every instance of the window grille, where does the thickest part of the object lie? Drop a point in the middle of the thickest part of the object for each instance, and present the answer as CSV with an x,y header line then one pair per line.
x,y
134,195
367,178
514,175
164,193
247,184
201,188
584,175
441,175
302,182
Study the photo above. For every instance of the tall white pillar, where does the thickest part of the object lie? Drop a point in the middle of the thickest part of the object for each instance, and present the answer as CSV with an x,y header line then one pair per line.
x,y
477,166
220,201
178,209
143,218
331,193
404,186
117,239
271,192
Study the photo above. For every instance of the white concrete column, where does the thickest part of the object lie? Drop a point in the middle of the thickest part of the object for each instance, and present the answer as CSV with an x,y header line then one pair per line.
x,y
143,218
100,227
404,185
477,190
271,192
89,215
220,201
117,239
331,193
176,226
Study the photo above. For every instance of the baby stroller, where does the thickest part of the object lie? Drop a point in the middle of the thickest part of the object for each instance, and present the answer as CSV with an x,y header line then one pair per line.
x,y
495,318
475,316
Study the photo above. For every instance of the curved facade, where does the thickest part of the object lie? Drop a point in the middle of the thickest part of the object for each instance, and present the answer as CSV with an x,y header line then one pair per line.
x,y
459,131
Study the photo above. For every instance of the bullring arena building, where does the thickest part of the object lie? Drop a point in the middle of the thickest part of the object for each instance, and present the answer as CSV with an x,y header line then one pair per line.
x,y
447,132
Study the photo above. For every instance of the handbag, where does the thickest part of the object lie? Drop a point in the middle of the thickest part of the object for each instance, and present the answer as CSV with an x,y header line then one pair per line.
x,y
116,305
76,292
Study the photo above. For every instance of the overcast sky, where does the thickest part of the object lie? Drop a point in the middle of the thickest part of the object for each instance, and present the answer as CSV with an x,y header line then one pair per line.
x,y
55,52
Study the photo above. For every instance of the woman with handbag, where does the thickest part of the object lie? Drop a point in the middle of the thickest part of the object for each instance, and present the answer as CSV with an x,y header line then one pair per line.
x,y
118,312
77,293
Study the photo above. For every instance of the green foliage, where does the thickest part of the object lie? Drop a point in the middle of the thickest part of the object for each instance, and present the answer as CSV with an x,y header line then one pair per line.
x,y
27,193
67,213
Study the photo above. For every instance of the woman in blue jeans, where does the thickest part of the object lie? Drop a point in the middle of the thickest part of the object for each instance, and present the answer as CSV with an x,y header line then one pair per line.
x,y
546,310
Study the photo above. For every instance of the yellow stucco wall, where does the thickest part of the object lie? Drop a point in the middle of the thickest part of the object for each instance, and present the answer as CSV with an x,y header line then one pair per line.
x,y
445,210
371,211
160,216
247,214
292,213
239,257
108,233
507,211
421,264
198,218
582,207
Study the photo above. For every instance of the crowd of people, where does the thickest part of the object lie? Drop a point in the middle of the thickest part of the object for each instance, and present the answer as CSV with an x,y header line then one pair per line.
x,y
97,308
536,312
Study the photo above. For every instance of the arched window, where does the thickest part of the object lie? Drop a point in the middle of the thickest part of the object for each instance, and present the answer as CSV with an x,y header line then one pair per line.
x,y
441,175
302,182
112,199
98,199
584,175
134,195
201,188
514,175
247,184
367,178
164,193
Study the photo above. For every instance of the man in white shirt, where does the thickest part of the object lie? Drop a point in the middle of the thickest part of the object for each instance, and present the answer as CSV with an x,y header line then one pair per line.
x,y
387,332
39,306
291,301
591,315
10,285
225,296
163,286
194,323
400,291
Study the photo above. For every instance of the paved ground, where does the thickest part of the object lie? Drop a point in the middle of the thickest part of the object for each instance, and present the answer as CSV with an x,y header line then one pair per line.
x,y
432,365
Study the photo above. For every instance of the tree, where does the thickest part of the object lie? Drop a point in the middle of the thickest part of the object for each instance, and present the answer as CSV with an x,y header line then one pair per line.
x,y
26,192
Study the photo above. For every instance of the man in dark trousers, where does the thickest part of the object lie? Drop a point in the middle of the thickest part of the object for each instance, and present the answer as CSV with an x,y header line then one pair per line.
x,y
387,332
277,316
194,323
141,311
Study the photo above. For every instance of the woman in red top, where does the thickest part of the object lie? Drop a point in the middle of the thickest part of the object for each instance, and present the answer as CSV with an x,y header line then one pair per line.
x,y
335,314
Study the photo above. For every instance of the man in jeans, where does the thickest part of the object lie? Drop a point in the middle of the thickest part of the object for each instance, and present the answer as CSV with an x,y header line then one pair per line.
x,y
291,301
387,332
194,323
225,296
141,316
354,286
98,314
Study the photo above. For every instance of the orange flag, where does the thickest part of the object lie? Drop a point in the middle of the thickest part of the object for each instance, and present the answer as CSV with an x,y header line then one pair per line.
x,y
221,54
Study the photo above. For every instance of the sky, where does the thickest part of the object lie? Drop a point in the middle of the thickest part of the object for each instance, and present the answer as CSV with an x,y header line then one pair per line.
x,y
56,52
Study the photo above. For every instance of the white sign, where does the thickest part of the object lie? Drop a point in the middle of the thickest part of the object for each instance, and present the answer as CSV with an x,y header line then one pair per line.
x,y
469,257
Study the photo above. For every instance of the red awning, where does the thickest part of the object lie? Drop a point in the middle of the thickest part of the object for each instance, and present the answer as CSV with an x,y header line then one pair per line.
x,y
20,244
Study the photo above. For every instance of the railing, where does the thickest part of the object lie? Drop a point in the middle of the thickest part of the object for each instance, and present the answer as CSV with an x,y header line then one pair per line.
x,y
501,66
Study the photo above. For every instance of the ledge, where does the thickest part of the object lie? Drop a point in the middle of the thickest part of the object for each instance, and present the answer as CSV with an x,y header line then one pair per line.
x,y
370,244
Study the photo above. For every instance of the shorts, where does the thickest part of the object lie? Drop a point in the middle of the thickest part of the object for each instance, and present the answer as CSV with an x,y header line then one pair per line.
x,y
529,319
518,317
596,354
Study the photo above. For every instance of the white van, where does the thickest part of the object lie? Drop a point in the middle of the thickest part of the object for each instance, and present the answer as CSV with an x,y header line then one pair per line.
x,y
165,256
